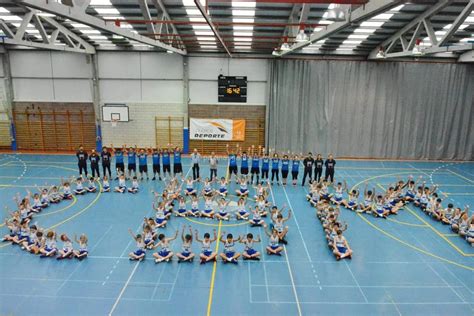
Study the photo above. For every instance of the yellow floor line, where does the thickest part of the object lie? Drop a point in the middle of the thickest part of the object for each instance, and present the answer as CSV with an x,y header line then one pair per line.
x,y
462,177
414,247
405,223
214,268
439,234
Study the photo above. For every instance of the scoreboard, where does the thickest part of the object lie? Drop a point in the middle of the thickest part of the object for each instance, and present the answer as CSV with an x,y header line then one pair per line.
x,y
232,89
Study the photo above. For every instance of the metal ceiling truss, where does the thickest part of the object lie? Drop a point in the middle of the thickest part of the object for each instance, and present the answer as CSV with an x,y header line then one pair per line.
x,y
212,26
406,38
71,42
75,10
359,15
165,28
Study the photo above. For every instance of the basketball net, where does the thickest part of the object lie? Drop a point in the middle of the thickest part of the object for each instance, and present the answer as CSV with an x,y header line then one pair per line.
x,y
114,123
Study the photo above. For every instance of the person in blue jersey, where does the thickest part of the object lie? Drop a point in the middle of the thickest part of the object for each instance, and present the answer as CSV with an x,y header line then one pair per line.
x,y
166,162
232,162
276,168
82,156
195,159
255,169
285,168
94,158
177,166
318,168
131,162
119,164
265,166
330,165
295,168
143,164
155,156
244,165
105,157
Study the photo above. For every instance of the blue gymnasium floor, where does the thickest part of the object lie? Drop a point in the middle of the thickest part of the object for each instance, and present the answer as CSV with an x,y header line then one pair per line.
x,y
407,265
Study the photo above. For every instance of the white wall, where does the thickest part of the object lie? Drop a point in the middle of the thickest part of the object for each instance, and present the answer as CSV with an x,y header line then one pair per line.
x,y
203,73
150,83
50,76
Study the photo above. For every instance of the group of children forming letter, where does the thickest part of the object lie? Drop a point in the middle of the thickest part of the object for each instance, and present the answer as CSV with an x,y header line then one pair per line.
x,y
172,203
35,239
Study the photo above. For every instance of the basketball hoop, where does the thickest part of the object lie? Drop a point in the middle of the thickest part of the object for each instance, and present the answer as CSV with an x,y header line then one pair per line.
x,y
114,122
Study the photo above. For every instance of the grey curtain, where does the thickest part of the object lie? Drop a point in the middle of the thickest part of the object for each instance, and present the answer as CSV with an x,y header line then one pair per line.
x,y
372,109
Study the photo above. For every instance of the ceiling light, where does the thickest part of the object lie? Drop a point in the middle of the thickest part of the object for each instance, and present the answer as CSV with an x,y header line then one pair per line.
x,y
285,46
380,54
106,10
417,49
169,51
203,32
301,36
336,13
244,4
243,12
11,18
275,52
372,23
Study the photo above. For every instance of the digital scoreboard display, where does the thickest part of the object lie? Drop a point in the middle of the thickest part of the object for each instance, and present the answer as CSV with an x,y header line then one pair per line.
x,y
232,89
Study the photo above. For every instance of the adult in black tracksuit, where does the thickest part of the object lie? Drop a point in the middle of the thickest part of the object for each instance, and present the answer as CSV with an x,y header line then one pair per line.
x,y
94,159
318,168
330,164
82,160
106,156
308,168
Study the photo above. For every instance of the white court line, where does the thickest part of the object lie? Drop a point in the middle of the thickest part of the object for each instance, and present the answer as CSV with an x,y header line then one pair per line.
x,y
251,262
366,286
363,303
289,269
157,283
272,302
264,267
174,283
250,284
80,263
355,280
434,271
123,289
131,274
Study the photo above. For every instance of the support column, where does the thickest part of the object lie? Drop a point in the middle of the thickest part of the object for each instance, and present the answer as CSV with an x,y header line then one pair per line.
x,y
9,96
96,100
186,104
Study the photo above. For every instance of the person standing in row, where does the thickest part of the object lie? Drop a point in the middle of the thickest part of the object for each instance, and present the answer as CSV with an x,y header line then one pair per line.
x,y
119,164
166,162
265,166
82,160
94,159
132,162
177,166
213,166
308,167
195,158
232,162
155,156
330,164
318,168
105,156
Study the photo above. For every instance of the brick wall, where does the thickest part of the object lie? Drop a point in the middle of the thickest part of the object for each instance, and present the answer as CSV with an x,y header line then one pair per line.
x,y
140,130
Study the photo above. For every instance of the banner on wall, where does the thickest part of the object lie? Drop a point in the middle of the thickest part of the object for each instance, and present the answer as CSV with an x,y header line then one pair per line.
x,y
217,129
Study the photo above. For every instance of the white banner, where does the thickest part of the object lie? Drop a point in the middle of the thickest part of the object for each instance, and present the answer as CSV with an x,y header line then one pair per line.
x,y
217,129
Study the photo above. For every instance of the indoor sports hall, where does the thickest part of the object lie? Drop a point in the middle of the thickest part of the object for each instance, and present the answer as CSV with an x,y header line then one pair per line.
x,y
236,157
